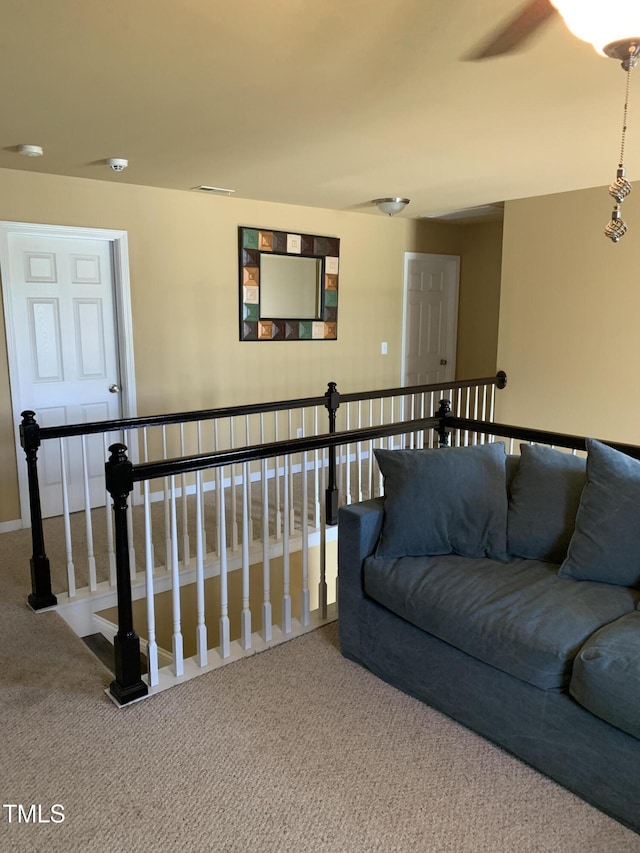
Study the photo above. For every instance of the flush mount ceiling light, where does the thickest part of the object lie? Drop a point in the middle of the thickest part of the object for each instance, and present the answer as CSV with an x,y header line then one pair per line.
x,y
391,206
613,28
31,150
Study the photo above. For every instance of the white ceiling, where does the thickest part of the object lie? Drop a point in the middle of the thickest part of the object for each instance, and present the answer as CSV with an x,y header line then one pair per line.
x,y
327,104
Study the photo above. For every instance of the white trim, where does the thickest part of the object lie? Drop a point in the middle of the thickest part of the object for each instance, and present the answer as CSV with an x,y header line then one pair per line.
x,y
453,307
123,319
10,526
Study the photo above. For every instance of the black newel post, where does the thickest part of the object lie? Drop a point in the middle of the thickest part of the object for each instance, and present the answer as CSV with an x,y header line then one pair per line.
x,y
41,595
128,684
444,411
332,404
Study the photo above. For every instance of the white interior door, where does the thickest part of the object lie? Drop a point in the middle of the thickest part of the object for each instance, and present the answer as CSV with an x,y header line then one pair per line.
x,y
60,313
430,318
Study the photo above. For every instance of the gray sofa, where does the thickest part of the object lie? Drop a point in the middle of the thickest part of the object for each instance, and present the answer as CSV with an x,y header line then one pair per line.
x,y
504,591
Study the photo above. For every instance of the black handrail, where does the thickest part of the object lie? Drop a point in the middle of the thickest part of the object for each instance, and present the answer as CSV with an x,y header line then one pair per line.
x,y
70,430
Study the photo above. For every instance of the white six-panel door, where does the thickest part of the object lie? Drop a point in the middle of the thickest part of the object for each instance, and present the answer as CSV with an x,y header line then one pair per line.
x,y
60,305
430,318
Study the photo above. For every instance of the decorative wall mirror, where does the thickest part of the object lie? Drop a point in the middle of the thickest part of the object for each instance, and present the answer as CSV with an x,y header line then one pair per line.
x,y
288,286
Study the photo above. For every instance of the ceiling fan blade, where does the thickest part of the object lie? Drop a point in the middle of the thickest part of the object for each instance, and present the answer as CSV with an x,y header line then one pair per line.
x,y
516,32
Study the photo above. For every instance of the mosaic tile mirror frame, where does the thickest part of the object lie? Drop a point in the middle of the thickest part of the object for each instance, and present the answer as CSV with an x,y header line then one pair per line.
x,y
254,244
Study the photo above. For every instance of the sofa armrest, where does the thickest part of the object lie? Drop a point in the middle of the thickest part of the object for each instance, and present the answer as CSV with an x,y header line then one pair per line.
x,y
359,527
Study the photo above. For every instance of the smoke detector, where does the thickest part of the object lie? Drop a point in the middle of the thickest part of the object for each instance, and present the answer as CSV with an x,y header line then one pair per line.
x,y
118,164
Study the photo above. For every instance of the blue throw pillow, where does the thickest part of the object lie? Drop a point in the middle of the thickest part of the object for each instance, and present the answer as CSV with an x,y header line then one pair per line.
x,y
606,544
544,501
445,501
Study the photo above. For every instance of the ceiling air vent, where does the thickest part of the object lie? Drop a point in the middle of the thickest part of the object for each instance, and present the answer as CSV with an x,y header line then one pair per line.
x,y
203,188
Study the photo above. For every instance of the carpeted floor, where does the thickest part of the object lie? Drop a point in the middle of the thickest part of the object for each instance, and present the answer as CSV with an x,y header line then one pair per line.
x,y
295,750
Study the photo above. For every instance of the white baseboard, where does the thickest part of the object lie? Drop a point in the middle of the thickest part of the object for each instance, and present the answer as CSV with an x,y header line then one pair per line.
x,y
10,526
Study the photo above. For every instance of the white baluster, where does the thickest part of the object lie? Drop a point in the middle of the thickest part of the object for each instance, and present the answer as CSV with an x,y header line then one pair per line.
x,y
286,597
322,585
234,514
168,547
218,484
91,560
204,527
108,518
266,566
276,474
247,435
483,437
292,522
225,642
201,628
145,446
246,612
71,572
316,475
475,403
468,401
358,457
152,646
306,598
186,545
177,644
132,550
348,497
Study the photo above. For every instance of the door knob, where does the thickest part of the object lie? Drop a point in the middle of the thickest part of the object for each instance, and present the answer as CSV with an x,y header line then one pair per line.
x,y
114,389
443,361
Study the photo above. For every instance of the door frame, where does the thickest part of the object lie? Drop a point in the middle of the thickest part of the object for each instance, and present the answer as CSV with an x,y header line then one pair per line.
x,y
453,307
123,327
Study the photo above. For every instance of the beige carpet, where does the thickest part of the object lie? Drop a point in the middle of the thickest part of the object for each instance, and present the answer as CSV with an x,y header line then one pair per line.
x,y
293,750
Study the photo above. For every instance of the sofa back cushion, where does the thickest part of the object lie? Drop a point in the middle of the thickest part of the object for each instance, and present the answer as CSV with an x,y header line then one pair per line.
x,y
445,501
605,546
543,503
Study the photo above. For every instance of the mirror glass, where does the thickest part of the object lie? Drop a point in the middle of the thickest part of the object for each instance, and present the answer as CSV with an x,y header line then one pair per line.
x,y
290,287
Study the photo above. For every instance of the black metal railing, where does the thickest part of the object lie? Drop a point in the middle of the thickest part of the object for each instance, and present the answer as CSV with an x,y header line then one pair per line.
x,y
33,435
122,475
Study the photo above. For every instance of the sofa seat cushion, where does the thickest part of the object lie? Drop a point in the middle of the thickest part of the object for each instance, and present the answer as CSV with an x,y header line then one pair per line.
x,y
606,674
519,617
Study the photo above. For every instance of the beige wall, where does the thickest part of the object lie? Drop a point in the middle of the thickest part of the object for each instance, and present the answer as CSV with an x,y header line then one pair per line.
x,y
480,249
184,293
569,310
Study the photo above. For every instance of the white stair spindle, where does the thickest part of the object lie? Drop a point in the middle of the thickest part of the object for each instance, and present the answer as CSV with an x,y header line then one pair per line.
x,y
152,646
177,644
225,642
247,434
267,619
234,514
316,475
322,585
292,516
286,597
145,446
132,550
276,474
108,518
204,527
305,600
359,473
245,635
219,489
71,572
91,560
201,628
348,497
168,547
186,545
